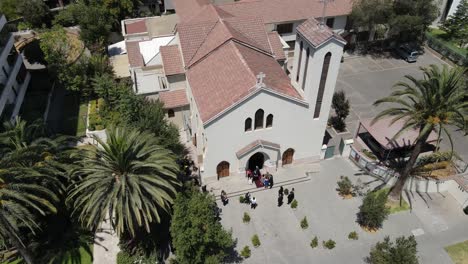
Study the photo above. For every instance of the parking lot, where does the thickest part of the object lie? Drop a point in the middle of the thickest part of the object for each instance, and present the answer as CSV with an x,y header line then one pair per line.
x,y
366,79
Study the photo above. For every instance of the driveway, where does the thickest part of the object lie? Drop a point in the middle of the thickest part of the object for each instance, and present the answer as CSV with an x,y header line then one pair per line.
x,y
438,221
366,79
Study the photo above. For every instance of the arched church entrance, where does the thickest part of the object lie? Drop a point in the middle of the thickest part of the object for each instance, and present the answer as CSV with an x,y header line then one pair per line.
x,y
223,169
288,156
257,159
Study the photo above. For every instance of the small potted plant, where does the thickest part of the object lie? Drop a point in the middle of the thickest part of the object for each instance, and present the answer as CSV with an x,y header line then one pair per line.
x,y
304,223
314,242
255,241
245,253
246,218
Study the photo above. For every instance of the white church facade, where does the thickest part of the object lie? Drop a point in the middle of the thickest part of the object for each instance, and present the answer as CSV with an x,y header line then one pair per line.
x,y
228,88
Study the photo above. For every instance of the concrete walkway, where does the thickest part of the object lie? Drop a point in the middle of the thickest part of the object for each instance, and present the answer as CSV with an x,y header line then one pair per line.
x,y
331,217
106,245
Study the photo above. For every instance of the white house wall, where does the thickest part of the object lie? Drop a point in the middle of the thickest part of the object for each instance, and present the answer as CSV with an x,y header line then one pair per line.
x,y
293,127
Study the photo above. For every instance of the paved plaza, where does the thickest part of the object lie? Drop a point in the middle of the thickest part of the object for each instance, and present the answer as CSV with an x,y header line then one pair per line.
x,y
366,79
437,220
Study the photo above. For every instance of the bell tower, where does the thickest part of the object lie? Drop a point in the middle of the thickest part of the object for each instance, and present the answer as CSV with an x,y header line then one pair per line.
x,y
317,57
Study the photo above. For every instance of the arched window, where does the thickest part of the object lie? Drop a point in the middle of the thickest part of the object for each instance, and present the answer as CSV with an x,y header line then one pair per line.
x,y
259,119
248,124
304,79
269,120
222,169
323,81
299,61
170,113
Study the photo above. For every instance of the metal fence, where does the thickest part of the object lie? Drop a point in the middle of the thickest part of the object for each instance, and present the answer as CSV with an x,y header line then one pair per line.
x,y
445,50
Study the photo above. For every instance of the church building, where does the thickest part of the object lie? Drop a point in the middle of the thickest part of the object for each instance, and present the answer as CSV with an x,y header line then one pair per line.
x,y
227,84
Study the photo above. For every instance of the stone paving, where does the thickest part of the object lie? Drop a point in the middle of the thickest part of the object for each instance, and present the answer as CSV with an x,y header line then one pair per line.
x,y
438,221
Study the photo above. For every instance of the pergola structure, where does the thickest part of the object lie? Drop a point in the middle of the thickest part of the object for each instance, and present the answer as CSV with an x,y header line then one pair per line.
x,y
379,138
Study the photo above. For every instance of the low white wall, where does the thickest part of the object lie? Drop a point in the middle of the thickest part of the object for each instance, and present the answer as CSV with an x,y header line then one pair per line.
x,y
458,193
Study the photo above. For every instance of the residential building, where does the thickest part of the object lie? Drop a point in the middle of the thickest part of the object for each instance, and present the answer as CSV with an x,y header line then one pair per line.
x,y
14,78
220,71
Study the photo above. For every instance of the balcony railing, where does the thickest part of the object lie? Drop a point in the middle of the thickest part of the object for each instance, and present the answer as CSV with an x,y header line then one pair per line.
x,y
4,37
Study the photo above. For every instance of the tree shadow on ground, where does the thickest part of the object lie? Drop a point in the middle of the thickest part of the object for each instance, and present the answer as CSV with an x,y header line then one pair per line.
x,y
233,256
33,54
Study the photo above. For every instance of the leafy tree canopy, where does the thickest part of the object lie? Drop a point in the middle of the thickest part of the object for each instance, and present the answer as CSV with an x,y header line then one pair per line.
x,y
34,12
198,236
456,25
402,251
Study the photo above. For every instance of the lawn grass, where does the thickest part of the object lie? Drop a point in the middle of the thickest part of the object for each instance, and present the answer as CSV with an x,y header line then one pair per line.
x,y
395,205
74,116
441,35
458,252
85,257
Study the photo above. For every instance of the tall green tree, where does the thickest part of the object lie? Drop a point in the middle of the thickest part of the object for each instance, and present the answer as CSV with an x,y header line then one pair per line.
x,y
412,18
129,177
121,9
381,13
432,103
34,12
8,8
197,235
456,25
403,251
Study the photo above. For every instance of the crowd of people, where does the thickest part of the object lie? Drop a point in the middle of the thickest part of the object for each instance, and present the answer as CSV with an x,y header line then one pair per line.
x,y
267,181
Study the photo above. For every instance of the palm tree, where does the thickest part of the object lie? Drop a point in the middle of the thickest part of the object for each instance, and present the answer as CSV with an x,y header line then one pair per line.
x,y
29,171
22,198
428,104
129,178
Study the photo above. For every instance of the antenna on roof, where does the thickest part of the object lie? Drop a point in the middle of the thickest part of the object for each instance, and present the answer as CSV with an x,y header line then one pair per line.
x,y
324,9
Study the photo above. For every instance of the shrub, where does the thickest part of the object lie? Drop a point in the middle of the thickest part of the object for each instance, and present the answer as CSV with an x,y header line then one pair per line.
x,y
256,241
241,199
246,218
337,123
294,204
402,251
304,223
345,186
314,242
329,244
435,157
286,191
353,235
245,253
373,210
369,154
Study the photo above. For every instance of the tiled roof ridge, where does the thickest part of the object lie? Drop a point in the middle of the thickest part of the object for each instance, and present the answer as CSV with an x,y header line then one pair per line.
x,y
228,41
201,45
241,56
238,2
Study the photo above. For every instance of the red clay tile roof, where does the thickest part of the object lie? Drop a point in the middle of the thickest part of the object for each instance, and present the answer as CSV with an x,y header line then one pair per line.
x,y
133,52
315,34
135,26
228,74
255,144
187,9
173,99
275,11
172,61
197,39
276,45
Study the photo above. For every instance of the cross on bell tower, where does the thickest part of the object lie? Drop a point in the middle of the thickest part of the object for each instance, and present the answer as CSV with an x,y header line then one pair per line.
x,y
260,78
324,10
